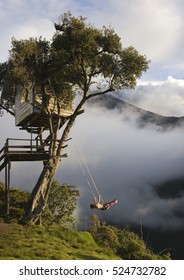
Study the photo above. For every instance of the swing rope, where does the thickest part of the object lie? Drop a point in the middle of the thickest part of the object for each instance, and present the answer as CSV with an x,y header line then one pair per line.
x,y
87,174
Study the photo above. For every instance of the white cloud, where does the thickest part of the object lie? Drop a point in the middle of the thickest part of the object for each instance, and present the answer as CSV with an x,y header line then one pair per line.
x,y
30,29
164,98
155,28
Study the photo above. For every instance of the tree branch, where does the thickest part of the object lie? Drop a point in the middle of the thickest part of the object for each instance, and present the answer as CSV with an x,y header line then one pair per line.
x,y
70,124
74,116
6,109
100,93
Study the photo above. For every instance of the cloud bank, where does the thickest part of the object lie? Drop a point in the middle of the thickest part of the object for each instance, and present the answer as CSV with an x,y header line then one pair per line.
x,y
163,97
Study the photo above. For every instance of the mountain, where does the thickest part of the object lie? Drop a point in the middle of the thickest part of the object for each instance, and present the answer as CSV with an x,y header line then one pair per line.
x,y
142,117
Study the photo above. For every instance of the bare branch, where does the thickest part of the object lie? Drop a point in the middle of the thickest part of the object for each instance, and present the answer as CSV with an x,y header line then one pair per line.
x,y
100,93
6,109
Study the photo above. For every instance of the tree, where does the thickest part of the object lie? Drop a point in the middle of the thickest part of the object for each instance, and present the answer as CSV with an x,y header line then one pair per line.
x,y
106,237
79,60
62,202
19,203
126,244
6,85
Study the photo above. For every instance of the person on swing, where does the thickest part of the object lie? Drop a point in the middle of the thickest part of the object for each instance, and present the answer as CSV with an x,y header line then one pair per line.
x,y
102,206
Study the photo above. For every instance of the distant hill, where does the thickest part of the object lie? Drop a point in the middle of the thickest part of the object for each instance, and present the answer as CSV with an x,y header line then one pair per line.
x,y
168,239
141,116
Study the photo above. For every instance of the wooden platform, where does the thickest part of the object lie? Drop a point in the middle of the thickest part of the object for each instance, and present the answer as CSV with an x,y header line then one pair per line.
x,y
32,152
22,150
40,119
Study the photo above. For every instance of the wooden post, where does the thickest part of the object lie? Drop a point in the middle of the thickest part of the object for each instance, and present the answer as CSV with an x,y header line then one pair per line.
x,y
7,187
31,142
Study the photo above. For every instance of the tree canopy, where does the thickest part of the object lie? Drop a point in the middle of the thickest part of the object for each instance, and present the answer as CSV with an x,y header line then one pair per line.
x,y
77,57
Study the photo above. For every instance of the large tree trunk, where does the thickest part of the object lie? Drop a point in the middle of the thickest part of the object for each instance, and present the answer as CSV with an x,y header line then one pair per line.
x,y
40,192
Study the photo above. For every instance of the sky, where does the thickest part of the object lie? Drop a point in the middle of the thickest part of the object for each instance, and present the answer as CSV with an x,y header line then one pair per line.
x,y
154,28
127,162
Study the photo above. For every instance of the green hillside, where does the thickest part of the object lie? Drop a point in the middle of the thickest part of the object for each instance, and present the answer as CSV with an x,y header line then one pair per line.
x,y
18,242
37,242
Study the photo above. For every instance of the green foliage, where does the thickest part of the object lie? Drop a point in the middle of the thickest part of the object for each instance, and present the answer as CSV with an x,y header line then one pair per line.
x,y
133,247
85,52
48,243
58,242
124,243
107,237
2,187
29,59
30,67
62,202
73,59
7,89
18,203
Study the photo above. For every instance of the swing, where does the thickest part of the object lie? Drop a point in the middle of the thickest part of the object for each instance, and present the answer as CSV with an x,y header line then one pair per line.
x,y
98,203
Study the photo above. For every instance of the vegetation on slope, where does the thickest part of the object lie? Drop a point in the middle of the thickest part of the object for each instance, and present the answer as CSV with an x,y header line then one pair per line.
x,y
35,242
57,239
51,243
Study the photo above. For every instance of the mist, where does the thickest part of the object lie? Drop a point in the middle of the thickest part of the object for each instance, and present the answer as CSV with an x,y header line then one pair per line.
x,y
162,97
127,163
132,162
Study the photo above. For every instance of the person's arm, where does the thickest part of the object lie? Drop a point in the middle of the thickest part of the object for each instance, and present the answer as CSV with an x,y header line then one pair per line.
x,y
99,198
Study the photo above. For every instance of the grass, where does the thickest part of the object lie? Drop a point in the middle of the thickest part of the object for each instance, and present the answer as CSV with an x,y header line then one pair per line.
x,y
32,242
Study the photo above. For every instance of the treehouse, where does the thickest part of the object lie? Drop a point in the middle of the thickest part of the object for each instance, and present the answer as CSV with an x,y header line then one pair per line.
x,y
33,109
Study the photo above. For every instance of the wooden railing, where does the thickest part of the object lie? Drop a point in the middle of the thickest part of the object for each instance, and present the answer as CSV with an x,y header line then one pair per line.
x,y
27,146
26,150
